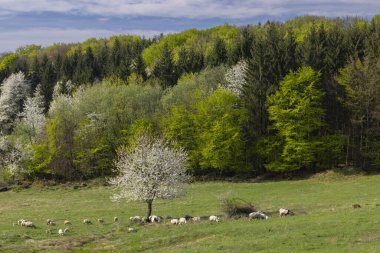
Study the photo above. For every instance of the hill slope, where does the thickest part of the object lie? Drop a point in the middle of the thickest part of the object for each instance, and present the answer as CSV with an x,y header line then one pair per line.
x,y
324,222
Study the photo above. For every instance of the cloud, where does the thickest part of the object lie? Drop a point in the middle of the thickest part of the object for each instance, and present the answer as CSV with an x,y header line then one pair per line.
x,y
48,36
196,9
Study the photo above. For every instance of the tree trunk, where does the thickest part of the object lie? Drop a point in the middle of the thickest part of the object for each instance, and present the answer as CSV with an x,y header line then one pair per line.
x,y
149,211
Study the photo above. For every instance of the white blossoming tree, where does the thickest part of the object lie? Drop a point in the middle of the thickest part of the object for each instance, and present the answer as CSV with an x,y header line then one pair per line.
x,y
63,88
10,159
235,77
33,118
152,170
14,91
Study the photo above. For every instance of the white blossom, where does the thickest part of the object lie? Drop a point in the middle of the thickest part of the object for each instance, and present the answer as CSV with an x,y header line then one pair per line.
x,y
63,88
10,158
14,90
235,77
152,170
33,115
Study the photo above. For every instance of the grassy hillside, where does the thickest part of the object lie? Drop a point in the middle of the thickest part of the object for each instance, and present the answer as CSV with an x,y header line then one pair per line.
x,y
324,220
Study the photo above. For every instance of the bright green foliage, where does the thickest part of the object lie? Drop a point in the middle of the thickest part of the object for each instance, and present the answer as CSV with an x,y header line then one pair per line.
x,y
297,114
151,53
220,137
28,49
7,61
199,40
61,126
209,127
84,131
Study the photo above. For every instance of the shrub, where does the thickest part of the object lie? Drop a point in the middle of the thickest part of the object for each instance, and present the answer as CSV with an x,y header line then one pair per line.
x,y
236,208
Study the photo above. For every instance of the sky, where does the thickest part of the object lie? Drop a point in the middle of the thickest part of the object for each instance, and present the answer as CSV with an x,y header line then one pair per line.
x,y
44,22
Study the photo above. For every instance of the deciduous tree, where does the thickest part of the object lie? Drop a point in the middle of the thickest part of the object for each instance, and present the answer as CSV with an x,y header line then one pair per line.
x,y
152,170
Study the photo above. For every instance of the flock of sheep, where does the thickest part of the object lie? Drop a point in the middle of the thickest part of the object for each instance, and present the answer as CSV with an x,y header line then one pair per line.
x,y
61,231
150,219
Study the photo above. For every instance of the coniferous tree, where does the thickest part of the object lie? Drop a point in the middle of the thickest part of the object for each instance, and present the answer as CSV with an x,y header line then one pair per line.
x,y
218,54
164,68
115,57
48,80
246,42
34,73
103,62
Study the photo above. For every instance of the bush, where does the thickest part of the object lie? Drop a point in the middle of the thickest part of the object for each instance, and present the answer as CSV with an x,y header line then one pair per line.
x,y
236,208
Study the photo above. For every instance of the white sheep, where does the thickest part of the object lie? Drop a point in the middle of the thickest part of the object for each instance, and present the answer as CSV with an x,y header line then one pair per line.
x,y
258,215
66,230
67,222
136,219
154,218
196,218
174,221
214,218
285,212
182,221
19,222
51,223
87,221
131,230
28,224
115,219
61,231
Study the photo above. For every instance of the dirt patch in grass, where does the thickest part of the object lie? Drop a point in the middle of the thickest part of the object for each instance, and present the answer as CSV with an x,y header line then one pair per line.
x,y
62,244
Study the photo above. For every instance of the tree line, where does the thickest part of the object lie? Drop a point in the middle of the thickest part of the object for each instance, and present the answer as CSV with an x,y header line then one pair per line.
x,y
300,95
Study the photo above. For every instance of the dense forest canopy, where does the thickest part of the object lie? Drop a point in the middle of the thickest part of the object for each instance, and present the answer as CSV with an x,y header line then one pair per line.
x,y
300,95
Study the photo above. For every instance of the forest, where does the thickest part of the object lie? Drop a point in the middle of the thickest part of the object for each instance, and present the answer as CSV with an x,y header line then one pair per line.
x,y
296,96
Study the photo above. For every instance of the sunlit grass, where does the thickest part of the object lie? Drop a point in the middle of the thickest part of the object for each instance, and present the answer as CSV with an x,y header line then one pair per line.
x,y
324,222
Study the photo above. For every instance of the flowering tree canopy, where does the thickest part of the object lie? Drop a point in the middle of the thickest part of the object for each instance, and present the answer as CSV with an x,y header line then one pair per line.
x,y
152,170
14,91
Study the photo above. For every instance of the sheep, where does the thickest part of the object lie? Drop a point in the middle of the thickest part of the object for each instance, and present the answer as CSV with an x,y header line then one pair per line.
x,y
182,221
174,221
285,212
51,223
19,222
214,218
188,217
61,231
356,206
258,215
115,219
101,221
87,221
131,230
136,219
67,222
28,224
197,218
66,230
155,218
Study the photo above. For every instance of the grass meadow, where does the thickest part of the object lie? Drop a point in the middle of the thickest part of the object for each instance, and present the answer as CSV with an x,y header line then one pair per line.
x,y
324,222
